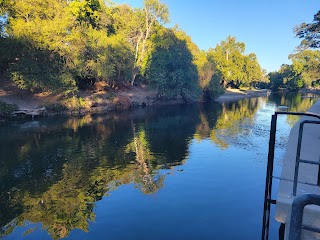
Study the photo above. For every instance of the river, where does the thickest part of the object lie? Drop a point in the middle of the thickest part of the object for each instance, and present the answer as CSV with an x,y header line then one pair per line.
x,y
192,171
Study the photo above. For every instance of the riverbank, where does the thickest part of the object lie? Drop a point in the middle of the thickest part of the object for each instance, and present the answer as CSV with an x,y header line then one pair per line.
x,y
237,94
305,90
18,102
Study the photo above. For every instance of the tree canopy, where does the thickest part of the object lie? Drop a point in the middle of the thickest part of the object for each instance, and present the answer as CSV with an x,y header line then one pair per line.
x,y
170,69
235,67
64,46
309,32
304,71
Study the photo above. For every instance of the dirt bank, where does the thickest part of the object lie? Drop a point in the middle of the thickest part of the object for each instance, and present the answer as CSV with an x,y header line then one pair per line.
x,y
98,100
236,94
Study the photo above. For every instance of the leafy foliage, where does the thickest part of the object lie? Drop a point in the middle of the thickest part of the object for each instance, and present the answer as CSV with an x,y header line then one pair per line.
x,y
305,68
88,12
310,32
303,72
306,65
39,69
6,109
171,70
64,46
276,80
235,68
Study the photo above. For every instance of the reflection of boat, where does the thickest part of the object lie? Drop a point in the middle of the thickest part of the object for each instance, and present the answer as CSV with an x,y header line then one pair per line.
x,y
299,187
30,125
283,107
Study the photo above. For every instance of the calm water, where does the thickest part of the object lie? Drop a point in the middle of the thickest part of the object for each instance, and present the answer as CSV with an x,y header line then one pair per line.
x,y
173,172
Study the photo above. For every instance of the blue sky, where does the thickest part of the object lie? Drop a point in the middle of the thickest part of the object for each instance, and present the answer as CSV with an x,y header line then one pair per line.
x,y
265,26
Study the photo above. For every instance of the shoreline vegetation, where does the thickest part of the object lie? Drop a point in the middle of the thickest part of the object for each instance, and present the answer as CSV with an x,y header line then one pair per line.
x,y
15,102
83,56
95,55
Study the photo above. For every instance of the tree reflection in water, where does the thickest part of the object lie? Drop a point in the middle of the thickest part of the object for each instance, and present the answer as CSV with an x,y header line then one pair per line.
x,y
295,103
53,171
228,122
53,174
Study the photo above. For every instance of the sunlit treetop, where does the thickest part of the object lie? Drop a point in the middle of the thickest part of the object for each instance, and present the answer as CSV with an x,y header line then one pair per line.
x,y
310,33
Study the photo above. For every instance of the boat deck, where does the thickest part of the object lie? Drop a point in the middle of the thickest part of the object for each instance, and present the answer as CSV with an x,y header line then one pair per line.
x,y
307,177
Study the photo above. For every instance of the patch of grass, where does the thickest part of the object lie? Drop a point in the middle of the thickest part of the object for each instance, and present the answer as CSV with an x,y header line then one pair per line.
x,y
7,109
73,103
76,103
110,96
55,107
97,97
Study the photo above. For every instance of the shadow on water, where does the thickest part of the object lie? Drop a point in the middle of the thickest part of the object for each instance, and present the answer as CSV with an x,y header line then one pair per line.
x,y
53,171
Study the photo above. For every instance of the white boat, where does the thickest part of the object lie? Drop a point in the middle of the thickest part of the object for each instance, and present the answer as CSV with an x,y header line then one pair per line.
x,y
299,180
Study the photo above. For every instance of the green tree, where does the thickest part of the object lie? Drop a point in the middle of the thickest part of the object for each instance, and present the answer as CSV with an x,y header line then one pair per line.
x,y
303,72
88,12
205,68
153,12
55,45
309,32
38,28
276,80
306,65
235,68
291,78
252,69
170,68
90,56
226,56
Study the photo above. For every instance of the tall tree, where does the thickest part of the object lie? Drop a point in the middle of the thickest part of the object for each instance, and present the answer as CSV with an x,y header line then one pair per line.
x,y
309,32
39,29
276,80
153,11
306,65
235,68
170,68
88,12
225,56
200,60
303,72
252,69
291,79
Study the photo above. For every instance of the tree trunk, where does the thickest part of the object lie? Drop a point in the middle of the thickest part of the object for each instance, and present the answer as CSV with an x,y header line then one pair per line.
x,y
184,97
133,78
135,72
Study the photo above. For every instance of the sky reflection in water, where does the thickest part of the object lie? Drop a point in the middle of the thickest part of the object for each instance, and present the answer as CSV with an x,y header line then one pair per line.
x,y
172,172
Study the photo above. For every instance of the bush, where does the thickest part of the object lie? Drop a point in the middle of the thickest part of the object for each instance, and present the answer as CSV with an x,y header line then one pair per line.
x,y
7,109
55,107
76,103
73,103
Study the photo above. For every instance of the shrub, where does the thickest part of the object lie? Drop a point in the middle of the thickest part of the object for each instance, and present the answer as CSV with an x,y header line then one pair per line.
x,y
77,103
7,109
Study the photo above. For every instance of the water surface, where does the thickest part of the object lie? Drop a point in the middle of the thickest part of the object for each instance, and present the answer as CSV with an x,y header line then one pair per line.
x,y
171,172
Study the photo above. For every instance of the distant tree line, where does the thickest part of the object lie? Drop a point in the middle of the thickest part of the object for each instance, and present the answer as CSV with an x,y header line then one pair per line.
x,y
304,72
67,45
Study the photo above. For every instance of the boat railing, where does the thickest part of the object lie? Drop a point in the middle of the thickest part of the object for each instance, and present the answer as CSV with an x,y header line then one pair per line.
x,y
298,158
268,201
297,208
